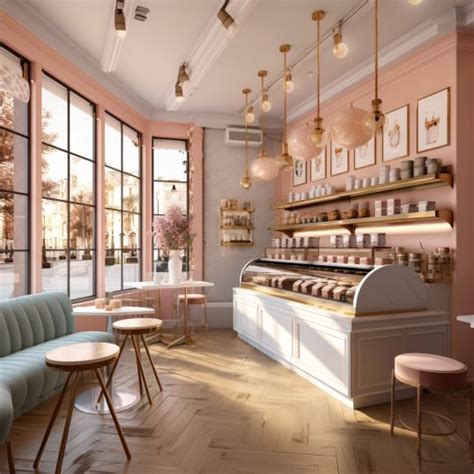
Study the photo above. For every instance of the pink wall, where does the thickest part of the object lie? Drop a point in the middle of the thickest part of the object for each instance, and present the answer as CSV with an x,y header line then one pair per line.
x,y
448,63
44,58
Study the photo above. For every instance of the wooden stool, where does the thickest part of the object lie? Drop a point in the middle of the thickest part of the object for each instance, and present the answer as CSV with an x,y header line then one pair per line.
x,y
135,329
74,359
435,373
196,298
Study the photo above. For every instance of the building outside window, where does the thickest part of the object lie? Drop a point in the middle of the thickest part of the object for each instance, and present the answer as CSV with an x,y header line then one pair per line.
x,y
170,187
68,191
122,204
14,188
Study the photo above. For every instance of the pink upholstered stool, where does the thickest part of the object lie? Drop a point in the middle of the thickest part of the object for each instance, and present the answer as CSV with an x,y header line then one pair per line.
x,y
435,373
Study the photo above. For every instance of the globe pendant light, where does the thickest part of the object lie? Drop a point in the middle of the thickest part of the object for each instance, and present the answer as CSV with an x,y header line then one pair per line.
x,y
284,159
246,182
263,168
349,129
319,136
375,119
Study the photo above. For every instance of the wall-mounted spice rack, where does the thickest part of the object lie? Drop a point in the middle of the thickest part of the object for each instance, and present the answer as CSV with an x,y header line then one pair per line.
x,y
236,225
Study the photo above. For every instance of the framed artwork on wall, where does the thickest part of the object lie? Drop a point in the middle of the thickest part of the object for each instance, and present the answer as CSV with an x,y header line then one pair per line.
x,y
318,166
396,135
365,155
433,121
339,159
299,172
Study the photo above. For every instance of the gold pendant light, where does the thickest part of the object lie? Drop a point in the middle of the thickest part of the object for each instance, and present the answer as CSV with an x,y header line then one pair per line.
x,y
375,119
246,182
263,168
319,136
284,159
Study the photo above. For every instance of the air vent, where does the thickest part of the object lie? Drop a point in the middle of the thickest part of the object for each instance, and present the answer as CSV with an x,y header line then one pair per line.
x,y
236,136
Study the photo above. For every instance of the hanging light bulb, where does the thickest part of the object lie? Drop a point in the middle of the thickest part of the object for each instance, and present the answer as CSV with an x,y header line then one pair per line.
x,y
249,115
415,2
375,119
340,49
289,84
319,135
284,159
266,104
264,167
246,182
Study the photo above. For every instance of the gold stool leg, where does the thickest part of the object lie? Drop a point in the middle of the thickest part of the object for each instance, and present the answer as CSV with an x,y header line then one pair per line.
x,y
151,362
11,462
392,402
137,357
112,412
67,425
51,422
109,380
140,370
418,426
469,420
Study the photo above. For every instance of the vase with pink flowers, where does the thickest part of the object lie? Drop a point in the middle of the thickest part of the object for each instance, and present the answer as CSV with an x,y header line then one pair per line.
x,y
172,234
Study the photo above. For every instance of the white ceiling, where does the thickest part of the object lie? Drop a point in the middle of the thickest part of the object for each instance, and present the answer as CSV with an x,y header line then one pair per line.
x,y
153,50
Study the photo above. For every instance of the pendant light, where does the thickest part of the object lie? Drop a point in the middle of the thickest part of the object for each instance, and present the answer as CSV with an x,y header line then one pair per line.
x,y
319,136
349,129
246,182
376,118
263,168
284,159
340,49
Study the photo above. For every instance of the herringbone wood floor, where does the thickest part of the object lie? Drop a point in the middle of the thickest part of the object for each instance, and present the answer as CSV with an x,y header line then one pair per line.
x,y
227,408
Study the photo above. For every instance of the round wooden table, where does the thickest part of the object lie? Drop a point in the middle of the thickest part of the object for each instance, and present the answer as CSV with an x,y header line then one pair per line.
x,y
74,359
135,329
122,398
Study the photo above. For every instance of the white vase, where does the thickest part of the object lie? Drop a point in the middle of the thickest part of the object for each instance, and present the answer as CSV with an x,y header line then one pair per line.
x,y
175,267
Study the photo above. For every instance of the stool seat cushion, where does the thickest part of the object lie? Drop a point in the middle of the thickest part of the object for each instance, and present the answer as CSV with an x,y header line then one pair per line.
x,y
193,298
431,371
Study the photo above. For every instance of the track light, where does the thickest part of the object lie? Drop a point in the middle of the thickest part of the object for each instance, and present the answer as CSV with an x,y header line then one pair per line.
x,y
141,13
183,74
119,19
178,91
340,49
226,19
173,189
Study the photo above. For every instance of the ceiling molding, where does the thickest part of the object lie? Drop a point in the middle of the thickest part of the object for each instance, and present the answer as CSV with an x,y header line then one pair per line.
x,y
465,15
208,48
23,12
113,42
404,45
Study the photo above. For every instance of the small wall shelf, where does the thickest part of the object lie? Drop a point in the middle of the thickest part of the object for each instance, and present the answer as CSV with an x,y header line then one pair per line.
x,y
366,222
236,225
412,184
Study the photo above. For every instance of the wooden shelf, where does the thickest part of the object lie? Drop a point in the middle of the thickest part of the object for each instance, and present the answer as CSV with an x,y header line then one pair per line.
x,y
236,244
231,227
238,209
352,224
421,182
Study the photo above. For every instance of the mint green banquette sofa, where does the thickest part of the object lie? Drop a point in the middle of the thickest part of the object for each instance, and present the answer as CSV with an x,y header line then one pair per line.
x,y
30,326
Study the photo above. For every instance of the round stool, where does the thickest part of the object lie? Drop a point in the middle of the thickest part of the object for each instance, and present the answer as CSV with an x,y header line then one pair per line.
x,y
135,329
74,359
435,373
196,298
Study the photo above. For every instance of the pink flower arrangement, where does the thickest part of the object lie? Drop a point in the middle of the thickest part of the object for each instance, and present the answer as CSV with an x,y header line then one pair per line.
x,y
172,231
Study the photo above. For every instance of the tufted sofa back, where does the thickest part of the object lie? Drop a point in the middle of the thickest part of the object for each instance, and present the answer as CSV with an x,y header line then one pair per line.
x,y
33,319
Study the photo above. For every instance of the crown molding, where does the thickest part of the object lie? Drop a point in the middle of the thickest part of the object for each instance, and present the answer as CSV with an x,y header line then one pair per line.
x,y
465,15
406,44
208,48
23,13
113,43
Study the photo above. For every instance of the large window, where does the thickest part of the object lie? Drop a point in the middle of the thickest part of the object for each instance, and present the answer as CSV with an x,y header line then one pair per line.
x,y
170,187
122,204
14,189
68,190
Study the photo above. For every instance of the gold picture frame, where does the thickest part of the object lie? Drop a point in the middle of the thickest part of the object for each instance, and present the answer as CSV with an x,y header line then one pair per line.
x,y
389,119
371,148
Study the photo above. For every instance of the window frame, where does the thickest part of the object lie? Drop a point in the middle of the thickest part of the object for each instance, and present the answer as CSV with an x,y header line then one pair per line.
x,y
121,210
68,201
153,181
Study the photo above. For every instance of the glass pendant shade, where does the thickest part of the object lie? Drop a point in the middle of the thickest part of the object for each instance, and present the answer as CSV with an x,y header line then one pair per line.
x,y
375,120
246,182
266,105
340,49
12,81
319,136
289,84
264,168
250,116
299,143
349,128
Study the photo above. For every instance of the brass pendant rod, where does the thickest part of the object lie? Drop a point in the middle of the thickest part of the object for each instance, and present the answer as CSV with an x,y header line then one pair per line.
x,y
262,75
246,134
284,100
318,66
376,26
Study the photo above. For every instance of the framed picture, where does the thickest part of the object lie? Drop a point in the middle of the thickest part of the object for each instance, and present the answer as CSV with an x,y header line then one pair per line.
x,y
396,134
365,155
433,121
339,159
299,172
318,166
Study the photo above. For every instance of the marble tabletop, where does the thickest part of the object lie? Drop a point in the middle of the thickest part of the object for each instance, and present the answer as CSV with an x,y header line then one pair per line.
x,y
469,319
152,285
123,311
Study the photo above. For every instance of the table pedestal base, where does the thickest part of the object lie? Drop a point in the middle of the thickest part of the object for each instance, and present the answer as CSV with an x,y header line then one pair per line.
x,y
86,401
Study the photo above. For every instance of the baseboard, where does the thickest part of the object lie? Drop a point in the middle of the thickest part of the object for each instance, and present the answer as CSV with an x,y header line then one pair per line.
x,y
219,315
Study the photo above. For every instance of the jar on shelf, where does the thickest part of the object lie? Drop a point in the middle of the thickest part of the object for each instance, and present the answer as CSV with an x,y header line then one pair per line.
x,y
444,258
415,262
402,259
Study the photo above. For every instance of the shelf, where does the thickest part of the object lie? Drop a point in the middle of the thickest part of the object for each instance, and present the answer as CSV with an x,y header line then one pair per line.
x,y
238,209
352,224
352,266
421,182
236,244
231,227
